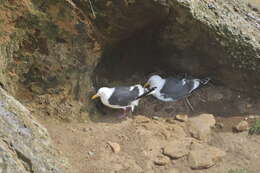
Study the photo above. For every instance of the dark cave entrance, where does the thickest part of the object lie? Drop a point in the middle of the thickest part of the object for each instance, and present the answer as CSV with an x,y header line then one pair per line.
x,y
132,61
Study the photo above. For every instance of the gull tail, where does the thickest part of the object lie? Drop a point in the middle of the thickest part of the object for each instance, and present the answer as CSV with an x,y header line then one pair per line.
x,y
146,93
204,81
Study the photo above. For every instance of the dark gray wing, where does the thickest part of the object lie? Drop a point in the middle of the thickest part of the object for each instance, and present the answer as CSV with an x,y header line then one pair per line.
x,y
177,88
122,96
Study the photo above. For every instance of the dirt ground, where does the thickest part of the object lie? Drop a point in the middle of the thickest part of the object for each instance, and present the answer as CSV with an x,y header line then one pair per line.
x,y
86,144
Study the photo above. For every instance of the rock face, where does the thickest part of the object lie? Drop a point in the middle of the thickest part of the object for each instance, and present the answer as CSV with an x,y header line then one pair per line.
x,y
200,126
24,144
203,156
47,56
214,21
206,35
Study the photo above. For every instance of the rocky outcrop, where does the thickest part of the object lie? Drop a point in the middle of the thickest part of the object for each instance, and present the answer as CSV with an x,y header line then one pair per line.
x,y
216,38
24,144
47,55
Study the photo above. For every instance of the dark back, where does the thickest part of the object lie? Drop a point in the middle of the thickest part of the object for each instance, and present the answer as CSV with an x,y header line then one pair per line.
x,y
175,88
122,96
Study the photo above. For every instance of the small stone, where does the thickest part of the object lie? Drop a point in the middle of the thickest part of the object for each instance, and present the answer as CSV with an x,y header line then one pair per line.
x,y
252,117
141,119
161,160
108,3
248,105
242,126
72,129
219,125
84,129
156,118
90,153
181,117
171,121
114,146
177,148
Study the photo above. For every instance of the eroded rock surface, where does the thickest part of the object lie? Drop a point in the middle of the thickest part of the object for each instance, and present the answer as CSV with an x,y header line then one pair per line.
x,y
24,144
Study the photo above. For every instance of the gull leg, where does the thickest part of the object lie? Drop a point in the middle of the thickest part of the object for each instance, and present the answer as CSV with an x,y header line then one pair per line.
x,y
123,115
189,104
202,99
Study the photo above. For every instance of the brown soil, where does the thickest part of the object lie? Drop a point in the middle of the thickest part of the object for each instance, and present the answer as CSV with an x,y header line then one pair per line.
x,y
86,144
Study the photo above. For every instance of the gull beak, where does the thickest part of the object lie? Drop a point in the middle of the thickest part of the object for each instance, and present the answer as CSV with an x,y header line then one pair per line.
x,y
94,97
146,85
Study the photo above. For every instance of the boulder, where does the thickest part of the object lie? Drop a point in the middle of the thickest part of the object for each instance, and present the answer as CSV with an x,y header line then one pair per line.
x,y
203,156
200,126
177,148
24,144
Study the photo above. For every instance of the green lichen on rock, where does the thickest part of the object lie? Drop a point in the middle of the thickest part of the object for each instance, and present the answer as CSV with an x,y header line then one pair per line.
x,y
47,53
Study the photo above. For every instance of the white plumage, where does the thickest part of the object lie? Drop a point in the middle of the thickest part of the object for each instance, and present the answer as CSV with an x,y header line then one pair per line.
x,y
122,97
173,89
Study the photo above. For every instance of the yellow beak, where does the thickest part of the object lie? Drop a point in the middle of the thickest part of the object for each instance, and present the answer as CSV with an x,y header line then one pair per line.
x,y
94,97
146,85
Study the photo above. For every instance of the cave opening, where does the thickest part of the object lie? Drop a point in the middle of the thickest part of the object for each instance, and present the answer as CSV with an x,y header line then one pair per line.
x,y
134,60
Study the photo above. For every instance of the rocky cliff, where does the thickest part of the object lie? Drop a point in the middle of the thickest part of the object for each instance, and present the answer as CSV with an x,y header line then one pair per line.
x,y
52,54
24,144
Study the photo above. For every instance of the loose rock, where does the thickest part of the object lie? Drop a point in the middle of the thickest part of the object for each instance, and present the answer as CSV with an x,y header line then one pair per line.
x,y
141,119
252,117
200,126
203,156
177,148
242,126
161,160
114,146
90,153
156,118
219,125
181,117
